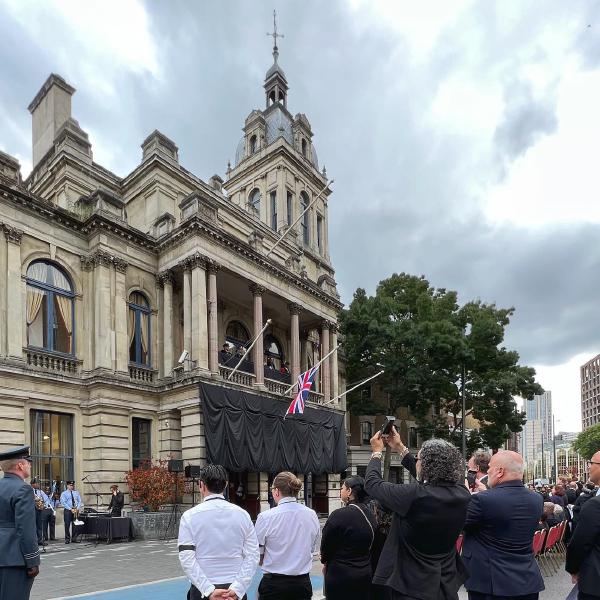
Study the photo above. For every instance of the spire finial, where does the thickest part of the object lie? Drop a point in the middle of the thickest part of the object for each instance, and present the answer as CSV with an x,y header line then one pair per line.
x,y
275,35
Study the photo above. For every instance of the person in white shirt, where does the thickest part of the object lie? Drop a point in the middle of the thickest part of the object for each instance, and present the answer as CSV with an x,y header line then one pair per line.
x,y
218,550
288,535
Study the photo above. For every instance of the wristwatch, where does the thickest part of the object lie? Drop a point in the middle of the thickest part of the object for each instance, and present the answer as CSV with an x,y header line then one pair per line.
x,y
377,455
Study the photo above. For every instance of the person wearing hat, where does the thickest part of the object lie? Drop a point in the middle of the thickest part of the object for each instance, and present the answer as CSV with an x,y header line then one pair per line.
x,y
43,510
19,552
70,500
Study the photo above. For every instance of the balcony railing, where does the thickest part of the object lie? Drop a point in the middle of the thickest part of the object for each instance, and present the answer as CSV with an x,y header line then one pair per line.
x,y
240,377
141,374
276,387
316,397
49,361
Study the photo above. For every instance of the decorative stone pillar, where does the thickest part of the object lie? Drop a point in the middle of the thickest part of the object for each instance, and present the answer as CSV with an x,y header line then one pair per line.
x,y
295,340
335,378
257,355
325,366
187,310
120,308
166,281
213,335
3,290
102,313
16,293
199,312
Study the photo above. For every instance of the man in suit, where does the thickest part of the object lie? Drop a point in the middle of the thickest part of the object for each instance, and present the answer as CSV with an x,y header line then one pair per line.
x,y
116,502
19,553
583,551
497,548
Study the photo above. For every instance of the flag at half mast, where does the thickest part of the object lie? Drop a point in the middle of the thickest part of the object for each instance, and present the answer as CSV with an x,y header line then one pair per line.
x,y
305,381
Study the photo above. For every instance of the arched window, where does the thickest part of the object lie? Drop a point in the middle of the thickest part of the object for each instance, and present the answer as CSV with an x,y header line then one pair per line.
x,y
138,329
273,352
254,199
304,202
304,148
50,309
237,334
253,147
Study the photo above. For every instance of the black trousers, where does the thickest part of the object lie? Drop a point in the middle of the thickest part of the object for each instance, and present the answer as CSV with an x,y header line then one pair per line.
x,y
582,596
285,587
14,583
70,529
50,528
41,522
194,592
480,596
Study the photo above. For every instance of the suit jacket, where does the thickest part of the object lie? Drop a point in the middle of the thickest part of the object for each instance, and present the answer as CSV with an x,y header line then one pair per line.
x,y
419,558
497,547
18,534
583,551
116,504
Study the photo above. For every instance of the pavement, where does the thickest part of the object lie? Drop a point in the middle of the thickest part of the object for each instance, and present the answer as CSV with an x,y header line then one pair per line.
x,y
150,569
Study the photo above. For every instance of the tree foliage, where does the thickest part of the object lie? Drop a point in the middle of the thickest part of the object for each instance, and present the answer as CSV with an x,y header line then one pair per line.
x,y
424,339
152,485
587,442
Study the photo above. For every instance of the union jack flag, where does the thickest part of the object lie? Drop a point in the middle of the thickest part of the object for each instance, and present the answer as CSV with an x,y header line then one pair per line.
x,y
305,382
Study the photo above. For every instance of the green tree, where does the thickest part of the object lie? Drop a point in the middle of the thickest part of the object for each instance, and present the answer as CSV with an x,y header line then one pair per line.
x,y
425,342
587,442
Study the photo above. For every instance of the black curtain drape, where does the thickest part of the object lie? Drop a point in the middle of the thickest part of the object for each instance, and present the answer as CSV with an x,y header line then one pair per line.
x,y
247,432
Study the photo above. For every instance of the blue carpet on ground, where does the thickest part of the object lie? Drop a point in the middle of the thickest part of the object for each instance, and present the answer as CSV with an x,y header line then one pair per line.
x,y
174,590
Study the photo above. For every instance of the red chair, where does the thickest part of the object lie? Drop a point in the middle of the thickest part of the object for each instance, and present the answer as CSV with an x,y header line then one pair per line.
x,y
459,543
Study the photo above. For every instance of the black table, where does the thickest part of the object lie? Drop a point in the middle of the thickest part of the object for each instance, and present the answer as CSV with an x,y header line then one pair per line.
x,y
107,528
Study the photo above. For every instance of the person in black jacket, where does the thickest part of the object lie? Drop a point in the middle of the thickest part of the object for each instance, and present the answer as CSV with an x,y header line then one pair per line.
x,y
117,501
346,545
419,558
589,490
583,551
497,547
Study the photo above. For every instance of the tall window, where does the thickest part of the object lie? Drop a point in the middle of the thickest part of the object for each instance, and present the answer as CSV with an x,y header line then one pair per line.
x,y
273,351
320,233
366,431
237,334
141,441
52,449
304,147
50,310
254,199
253,144
306,218
290,208
273,199
138,329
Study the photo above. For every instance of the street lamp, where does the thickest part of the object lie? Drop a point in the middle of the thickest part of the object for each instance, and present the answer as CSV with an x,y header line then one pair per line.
x,y
466,331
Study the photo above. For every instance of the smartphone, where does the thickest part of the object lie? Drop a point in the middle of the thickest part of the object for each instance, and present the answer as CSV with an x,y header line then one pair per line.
x,y
386,428
471,479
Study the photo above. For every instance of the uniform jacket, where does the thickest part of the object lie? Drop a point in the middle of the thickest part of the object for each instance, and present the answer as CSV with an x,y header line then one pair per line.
x,y
497,548
583,551
65,500
419,557
18,534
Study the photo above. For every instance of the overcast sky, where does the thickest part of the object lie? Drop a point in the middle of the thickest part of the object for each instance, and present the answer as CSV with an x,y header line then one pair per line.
x,y
462,136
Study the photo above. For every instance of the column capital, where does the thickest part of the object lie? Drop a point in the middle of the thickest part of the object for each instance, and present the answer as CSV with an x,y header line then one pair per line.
x,y
294,308
212,265
325,324
334,327
120,264
164,277
12,234
193,261
104,259
256,289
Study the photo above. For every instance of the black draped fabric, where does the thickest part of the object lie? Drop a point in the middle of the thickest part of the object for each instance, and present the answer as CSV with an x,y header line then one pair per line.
x,y
247,432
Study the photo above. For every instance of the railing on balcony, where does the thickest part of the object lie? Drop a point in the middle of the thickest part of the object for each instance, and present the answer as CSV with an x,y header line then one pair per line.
x,y
276,387
141,374
241,377
49,361
316,397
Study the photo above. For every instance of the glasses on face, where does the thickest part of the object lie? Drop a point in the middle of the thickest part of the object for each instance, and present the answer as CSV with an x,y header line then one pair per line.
x,y
592,462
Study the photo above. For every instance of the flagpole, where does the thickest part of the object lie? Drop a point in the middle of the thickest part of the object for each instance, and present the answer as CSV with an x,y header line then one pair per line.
x,y
352,389
298,219
249,348
324,358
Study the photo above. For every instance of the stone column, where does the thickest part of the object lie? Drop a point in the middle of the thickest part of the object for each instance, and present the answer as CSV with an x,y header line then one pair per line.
x,y
16,298
263,491
258,354
102,314
166,280
120,307
199,313
335,379
295,340
3,291
325,369
187,311
213,336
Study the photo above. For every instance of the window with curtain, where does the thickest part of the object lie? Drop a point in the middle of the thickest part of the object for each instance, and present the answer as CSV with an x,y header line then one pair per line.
x,y
366,431
141,441
304,202
50,310
52,449
138,329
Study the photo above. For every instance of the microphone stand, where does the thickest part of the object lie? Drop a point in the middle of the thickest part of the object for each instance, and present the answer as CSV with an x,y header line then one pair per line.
x,y
94,491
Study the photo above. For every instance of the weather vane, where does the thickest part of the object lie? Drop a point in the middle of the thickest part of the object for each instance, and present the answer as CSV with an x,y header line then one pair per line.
x,y
275,35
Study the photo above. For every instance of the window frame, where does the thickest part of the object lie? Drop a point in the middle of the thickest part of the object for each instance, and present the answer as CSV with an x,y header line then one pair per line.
x,y
138,309
366,439
50,292
273,207
135,457
255,205
320,232
305,221
289,207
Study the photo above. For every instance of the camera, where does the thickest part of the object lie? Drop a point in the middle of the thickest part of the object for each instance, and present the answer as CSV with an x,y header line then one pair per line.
x,y
386,428
471,478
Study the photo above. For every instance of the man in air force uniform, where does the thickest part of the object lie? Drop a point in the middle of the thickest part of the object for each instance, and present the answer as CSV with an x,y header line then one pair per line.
x,y
19,553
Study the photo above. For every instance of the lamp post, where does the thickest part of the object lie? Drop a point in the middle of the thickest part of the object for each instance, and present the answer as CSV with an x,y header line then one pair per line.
x,y
465,332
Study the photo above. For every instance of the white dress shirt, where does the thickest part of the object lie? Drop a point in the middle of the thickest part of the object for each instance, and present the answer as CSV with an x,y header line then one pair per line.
x,y
217,545
288,535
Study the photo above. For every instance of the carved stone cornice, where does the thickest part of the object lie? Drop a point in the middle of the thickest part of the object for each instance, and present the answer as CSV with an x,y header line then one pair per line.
x,y
12,234
165,276
294,308
212,266
256,289
120,264
193,261
327,325
100,258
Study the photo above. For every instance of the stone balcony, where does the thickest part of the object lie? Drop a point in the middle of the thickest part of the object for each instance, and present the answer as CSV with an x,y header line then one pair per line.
x,y
44,360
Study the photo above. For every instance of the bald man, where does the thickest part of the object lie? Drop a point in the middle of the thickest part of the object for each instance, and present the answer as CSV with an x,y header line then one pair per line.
x,y
583,551
498,534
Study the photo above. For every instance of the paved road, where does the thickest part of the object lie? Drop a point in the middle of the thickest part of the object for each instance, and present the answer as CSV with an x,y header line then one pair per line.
x,y
141,570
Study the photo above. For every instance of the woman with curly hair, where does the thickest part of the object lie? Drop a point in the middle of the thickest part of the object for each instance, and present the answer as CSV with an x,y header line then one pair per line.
x,y
419,559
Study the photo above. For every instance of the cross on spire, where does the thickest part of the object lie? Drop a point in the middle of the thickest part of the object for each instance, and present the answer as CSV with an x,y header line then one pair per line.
x,y
275,35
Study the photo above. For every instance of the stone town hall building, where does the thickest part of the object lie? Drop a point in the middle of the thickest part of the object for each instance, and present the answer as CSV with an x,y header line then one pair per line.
x,y
106,280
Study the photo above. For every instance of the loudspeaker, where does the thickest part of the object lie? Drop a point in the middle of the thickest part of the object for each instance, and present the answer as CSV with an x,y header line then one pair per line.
x,y
175,466
192,471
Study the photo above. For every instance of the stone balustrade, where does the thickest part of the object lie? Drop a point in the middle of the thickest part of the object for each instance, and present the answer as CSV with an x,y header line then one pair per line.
x,y
48,361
